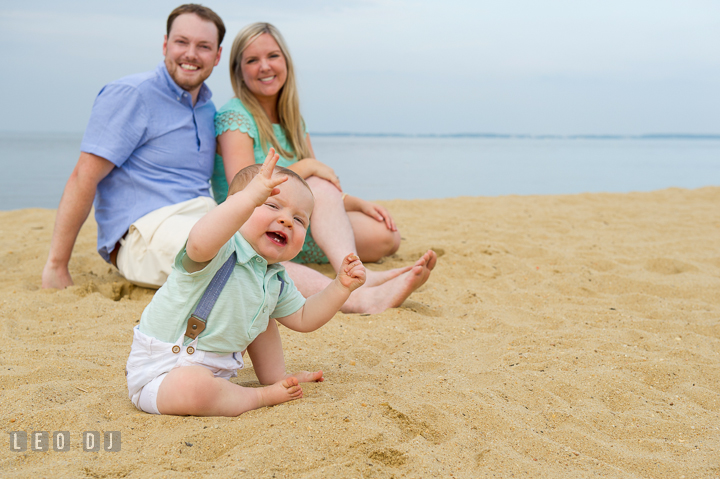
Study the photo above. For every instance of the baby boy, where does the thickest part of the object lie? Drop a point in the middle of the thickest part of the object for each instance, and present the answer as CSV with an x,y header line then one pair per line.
x,y
225,291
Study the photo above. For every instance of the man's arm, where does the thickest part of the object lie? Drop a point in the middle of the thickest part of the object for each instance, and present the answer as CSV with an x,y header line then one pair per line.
x,y
75,206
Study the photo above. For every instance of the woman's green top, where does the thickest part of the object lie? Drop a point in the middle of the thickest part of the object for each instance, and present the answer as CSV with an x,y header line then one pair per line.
x,y
235,117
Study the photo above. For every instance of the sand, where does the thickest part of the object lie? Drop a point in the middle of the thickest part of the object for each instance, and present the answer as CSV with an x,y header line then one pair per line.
x,y
559,336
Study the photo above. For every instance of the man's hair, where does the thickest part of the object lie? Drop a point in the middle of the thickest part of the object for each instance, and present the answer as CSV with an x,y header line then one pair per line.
x,y
245,176
203,12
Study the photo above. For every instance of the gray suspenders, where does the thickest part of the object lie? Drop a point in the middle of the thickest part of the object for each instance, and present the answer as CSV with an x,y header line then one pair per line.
x,y
198,319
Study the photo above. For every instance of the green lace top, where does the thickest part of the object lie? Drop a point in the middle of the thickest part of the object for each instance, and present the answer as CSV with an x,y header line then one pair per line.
x,y
233,116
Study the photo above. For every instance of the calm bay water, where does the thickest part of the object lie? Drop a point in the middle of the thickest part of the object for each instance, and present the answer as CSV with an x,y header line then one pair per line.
x,y
35,167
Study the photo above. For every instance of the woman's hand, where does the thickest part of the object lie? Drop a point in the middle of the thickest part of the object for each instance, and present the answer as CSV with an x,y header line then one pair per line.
x,y
376,212
313,167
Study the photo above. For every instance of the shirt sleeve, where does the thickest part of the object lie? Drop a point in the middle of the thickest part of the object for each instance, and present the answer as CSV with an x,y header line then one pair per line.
x,y
235,119
211,268
290,299
118,123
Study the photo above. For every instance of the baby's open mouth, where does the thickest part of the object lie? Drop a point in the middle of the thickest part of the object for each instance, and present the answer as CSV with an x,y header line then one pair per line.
x,y
277,237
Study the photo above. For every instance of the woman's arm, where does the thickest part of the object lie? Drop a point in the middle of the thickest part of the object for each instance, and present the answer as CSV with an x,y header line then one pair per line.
x,y
236,149
376,212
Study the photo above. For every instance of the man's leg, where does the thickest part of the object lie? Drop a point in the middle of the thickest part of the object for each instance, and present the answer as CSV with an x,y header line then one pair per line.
x,y
148,250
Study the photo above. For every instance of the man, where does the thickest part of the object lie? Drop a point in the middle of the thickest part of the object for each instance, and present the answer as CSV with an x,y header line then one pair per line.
x,y
146,157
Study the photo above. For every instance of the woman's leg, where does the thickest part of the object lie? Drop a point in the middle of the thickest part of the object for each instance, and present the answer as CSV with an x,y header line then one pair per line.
x,y
331,227
333,232
367,299
372,238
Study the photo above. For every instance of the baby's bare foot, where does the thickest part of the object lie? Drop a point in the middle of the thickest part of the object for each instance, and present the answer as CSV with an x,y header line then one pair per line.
x,y
308,376
282,391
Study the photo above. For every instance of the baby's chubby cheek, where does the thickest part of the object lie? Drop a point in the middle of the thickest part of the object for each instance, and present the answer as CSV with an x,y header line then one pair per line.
x,y
298,242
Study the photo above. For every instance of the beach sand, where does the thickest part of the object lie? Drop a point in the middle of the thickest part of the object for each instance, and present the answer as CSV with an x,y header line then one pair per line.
x,y
558,337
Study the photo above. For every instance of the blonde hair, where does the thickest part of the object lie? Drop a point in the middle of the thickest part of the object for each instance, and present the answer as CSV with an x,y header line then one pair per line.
x,y
288,106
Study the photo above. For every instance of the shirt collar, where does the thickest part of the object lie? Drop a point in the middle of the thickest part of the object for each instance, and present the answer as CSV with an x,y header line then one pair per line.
x,y
246,253
204,95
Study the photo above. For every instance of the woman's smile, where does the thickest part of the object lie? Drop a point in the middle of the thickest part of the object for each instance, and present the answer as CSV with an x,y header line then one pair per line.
x,y
263,67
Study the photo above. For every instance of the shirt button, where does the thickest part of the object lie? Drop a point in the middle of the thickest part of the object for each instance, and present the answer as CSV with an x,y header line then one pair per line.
x,y
178,98
258,260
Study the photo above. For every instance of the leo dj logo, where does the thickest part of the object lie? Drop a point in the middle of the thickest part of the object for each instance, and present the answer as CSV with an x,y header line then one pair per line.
x,y
40,441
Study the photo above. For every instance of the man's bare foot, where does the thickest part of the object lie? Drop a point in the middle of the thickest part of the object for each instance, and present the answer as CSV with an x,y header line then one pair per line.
x,y
392,293
282,391
307,376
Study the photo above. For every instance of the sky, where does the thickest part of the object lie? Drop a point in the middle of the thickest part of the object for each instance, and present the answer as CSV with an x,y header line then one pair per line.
x,y
396,66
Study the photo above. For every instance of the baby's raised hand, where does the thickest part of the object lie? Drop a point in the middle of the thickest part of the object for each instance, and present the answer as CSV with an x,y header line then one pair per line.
x,y
351,273
265,185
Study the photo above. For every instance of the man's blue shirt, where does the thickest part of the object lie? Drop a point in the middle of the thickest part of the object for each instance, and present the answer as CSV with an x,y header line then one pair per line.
x,y
163,149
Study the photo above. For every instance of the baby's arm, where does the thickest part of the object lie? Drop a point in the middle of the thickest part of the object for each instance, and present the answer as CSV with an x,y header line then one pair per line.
x,y
219,225
321,307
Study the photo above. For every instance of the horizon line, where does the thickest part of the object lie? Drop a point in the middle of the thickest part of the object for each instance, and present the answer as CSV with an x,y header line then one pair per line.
x,y
529,136
519,136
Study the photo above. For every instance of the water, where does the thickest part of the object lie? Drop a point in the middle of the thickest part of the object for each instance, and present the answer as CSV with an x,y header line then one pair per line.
x,y
35,167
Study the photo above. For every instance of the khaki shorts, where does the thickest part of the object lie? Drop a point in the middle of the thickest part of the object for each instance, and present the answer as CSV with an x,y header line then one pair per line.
x,y
148,250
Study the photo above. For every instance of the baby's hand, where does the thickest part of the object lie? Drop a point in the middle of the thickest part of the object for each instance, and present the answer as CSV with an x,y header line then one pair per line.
x,y
351,273
265,185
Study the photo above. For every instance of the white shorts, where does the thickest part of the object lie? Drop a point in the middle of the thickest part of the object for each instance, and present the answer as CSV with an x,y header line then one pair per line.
x,y
148,250
151,359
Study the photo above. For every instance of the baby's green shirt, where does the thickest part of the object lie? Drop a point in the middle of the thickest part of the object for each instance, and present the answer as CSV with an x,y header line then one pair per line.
x,y
251,296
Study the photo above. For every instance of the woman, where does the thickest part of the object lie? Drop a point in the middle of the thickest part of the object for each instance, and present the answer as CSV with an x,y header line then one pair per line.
x,y
265,113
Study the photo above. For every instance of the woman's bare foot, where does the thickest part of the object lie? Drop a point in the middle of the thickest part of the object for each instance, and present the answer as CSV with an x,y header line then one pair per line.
x,y
429,258
376,278
307,376
392,293
282,391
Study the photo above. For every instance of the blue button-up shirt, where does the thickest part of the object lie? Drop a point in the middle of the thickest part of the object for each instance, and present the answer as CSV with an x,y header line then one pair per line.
x,y
163,148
